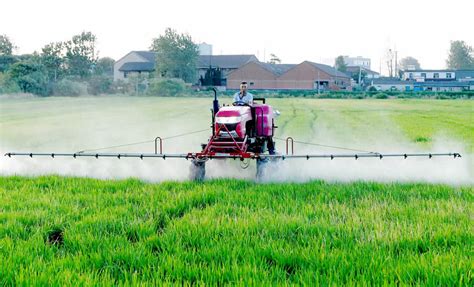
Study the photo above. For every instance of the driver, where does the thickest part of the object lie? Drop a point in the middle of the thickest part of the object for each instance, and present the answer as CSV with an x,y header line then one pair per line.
x,y
243,95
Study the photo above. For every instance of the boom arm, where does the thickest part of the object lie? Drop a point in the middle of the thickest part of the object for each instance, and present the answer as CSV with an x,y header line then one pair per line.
x,y
234,156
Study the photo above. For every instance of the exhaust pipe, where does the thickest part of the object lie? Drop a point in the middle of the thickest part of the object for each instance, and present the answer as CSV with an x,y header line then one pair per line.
x,y
215,109
215,103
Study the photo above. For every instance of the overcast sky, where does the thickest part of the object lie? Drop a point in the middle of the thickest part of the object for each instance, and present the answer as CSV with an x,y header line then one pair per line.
x,y
295,30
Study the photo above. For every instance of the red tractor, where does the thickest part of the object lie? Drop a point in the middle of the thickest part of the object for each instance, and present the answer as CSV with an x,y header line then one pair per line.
x,y
241,131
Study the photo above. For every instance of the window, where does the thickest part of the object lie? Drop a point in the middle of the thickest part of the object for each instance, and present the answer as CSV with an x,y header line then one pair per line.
x,y
448,75
423,75
410,75
125,74
436,76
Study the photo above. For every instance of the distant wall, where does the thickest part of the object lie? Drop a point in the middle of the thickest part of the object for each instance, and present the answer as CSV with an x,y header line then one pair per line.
x,y
130,57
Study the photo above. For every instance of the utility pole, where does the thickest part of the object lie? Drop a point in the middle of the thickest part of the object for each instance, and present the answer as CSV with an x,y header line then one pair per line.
x,y
319,81
360,71
396,63
390,62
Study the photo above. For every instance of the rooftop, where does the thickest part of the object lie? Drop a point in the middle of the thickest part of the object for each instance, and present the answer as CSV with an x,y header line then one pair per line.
x,y
150,56
276,69
137,67
356,69
329,70
224,61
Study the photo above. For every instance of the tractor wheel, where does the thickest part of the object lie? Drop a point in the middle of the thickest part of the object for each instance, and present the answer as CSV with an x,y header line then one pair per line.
x,y
197,170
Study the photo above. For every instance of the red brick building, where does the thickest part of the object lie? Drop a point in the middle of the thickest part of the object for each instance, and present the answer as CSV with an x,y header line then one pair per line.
x,y
260,76
304,76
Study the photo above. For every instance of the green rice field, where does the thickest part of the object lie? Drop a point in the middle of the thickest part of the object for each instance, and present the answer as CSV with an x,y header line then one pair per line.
x,y
65,122
72,231
76,230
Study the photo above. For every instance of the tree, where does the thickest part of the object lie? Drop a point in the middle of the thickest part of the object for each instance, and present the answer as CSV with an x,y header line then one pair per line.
x,y
81,55
52,57
274,59
359,74
409,63
30,75
212,77
6,46
340,64
6,61
391,57
460,56
105,66
176,55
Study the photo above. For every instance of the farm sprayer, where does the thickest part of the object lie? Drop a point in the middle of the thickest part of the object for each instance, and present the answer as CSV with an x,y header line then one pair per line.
x,y
241,132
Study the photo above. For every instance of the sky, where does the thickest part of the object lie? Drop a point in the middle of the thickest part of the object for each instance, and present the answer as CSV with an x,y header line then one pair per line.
x,y
295,30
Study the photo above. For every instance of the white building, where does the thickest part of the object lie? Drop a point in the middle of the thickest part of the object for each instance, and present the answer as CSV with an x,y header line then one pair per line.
x,y
429,75
205,49
357,61
135,62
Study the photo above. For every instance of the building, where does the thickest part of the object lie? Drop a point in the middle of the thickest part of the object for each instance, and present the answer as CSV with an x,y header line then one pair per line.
x,y
144,62
429,75
391,84
452,86
440,80
465,75
225,63
259,76
205,49
304,76
311,76
357,61
365,73
135,62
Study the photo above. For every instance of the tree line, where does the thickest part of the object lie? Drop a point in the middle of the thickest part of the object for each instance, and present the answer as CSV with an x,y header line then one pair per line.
x,y
73,67
59,67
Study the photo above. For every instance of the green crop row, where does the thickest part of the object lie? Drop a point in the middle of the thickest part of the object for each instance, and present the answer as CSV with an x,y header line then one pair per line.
x,y
72,231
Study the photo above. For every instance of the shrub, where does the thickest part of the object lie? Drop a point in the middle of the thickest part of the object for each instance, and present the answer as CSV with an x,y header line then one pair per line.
x,y
122,87
70,88
30,77
100,85
166,87
7,85
381,96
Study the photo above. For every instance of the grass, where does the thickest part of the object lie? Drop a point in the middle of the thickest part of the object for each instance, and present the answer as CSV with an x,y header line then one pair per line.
x,y
79,123
77,231
73,231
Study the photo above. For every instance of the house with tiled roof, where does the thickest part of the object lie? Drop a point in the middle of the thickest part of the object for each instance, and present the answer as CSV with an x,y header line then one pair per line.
x,y
313,76
304,76
259,75
135,62
144,62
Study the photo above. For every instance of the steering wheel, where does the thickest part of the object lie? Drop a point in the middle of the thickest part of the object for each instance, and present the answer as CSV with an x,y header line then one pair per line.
x,y
240,104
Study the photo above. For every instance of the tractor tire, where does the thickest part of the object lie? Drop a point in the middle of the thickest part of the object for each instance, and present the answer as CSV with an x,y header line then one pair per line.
x,y
197,170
